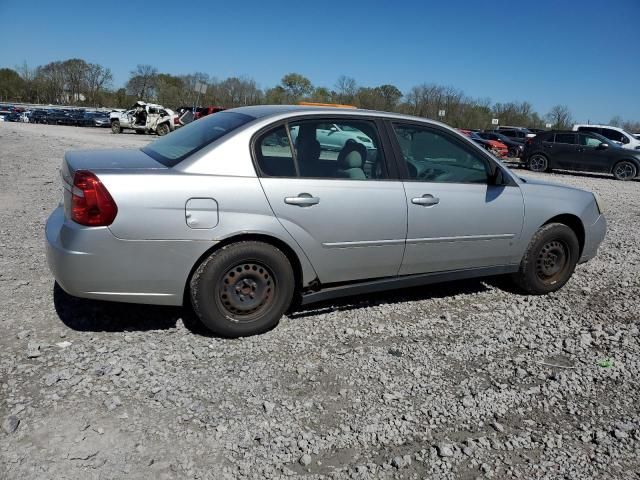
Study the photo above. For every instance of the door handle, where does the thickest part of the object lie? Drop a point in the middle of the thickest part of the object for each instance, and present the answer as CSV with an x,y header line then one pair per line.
x,y
302,200
426,200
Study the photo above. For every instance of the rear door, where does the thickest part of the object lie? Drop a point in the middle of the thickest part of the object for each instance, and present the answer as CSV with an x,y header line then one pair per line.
x,y
343,203
565,151
456,219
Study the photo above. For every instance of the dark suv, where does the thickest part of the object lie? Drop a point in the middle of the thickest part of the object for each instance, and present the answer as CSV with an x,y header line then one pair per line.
x,y
517,134
584,151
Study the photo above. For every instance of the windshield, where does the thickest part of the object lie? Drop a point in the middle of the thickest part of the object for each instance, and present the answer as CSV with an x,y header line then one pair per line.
x,y
175,147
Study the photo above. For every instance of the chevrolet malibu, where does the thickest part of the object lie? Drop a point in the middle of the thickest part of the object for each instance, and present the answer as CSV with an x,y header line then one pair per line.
x,y
228,216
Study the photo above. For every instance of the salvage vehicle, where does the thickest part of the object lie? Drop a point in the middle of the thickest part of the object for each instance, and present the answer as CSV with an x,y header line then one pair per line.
x,y
144,118
496,147
243,227
581,151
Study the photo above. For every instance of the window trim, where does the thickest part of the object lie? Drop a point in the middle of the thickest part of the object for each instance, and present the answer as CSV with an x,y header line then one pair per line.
x,y
478,152
389,163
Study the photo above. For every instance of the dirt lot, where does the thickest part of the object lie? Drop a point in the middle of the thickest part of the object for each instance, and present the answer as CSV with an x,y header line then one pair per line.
x,y
463,380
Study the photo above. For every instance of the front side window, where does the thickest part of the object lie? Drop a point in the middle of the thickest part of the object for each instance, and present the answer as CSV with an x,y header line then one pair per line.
x,y
432,156
569,138
589,141
336,149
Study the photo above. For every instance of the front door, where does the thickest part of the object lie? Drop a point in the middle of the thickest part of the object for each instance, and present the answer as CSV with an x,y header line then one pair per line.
x,y
456,219
351,221
593,157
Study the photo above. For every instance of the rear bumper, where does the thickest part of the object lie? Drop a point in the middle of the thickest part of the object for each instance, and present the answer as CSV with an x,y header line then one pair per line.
x,y
90,262
594,235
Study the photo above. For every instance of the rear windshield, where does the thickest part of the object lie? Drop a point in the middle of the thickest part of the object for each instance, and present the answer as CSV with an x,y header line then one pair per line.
x,y
175,147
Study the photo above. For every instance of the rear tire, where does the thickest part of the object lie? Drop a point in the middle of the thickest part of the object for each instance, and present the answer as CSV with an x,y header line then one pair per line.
x,y
549,261
624,171
242,289
538,163
115,127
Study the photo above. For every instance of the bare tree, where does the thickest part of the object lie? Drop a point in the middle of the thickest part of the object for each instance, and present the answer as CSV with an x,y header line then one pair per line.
x,y
346,89
97,79
560,117
142,82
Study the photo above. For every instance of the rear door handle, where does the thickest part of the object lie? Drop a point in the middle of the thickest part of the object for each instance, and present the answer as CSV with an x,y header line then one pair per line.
x,y
425,200
302,200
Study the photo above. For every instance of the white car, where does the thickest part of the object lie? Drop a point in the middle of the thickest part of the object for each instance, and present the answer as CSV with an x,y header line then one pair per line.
x,y
616,134
145,118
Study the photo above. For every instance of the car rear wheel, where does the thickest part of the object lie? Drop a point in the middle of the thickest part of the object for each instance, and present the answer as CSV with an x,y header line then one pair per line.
x,y
538,163
162,129
549,261
115,127
242,289
624,170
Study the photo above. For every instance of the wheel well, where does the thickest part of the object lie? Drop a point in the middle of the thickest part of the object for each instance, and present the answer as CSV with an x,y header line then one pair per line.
x,y
279,244
630,160
574,223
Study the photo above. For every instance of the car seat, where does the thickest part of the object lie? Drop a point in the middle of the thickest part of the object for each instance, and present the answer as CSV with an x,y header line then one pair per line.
x,y
351,160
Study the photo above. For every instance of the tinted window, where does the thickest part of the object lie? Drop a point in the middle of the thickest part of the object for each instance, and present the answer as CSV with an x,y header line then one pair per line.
x,y
432,156
590,129
566,138
178,145
274,155
614,135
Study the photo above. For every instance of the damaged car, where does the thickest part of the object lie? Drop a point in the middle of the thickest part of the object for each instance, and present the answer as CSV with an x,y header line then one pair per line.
x,y
145,118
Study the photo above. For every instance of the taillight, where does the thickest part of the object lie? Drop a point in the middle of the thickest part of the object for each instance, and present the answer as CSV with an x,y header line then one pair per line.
x,y
176,121
91,202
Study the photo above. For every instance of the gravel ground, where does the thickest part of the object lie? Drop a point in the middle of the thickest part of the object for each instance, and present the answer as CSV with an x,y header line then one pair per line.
x,y
462,380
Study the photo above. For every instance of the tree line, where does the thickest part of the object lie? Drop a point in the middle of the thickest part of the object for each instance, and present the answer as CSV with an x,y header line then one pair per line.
x,y
77,82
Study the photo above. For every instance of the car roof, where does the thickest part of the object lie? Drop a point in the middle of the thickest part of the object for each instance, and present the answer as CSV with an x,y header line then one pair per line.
x,y
265,111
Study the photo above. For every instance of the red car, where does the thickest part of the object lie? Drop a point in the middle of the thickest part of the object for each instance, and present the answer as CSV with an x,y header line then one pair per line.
x,y
204,111
498,148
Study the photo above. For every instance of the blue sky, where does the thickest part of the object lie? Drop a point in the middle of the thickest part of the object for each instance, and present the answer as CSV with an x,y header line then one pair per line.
x,y
583,53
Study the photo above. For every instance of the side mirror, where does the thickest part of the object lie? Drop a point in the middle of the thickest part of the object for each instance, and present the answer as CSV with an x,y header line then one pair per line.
x,y
333,128
603,146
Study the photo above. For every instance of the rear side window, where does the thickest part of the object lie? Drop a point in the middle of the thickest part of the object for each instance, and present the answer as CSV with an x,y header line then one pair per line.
x,y
569,138
614,135
590,129
337,149
178,145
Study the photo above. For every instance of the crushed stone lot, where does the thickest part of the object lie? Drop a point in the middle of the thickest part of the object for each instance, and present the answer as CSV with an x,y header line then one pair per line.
x,y
463,380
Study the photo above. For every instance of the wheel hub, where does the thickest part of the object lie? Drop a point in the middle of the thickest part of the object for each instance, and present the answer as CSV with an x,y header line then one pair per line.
x,y
551,260
246,289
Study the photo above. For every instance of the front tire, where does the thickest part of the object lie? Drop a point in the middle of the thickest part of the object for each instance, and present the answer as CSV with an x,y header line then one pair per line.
x,y
242,289
624,171
549,261
115,127
538,163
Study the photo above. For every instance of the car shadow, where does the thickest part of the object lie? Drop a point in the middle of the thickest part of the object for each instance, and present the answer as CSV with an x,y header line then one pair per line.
x,y
85,315
425,292
573,173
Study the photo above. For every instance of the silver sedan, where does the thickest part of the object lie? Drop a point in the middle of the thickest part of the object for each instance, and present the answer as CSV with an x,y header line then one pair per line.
x,y
233,215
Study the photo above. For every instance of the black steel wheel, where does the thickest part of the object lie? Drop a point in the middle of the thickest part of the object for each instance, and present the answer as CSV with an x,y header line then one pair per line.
x,y
549,260
242,289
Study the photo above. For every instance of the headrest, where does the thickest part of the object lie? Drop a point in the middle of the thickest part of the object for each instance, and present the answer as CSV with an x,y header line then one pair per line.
x,y
352,155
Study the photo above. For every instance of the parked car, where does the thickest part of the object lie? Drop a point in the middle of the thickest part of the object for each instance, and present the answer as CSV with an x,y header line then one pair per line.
x,y
38,116
496,147
514,149
517,134
333,136
204,111
584,151
614,134
216,214
145,118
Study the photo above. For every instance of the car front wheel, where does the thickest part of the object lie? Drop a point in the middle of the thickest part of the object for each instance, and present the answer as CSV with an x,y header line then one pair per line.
x,y
624,170
549,261
242,289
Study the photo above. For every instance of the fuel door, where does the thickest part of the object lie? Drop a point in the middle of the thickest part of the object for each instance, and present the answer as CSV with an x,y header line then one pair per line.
x,y
201,213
